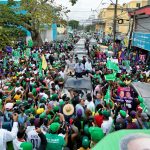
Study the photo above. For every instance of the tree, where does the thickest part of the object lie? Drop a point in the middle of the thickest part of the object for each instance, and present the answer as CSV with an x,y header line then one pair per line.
x,y
73,2
30,14
89,28
74,24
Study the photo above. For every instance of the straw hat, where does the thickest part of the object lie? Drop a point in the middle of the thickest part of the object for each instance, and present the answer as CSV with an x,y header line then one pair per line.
x,y
68,109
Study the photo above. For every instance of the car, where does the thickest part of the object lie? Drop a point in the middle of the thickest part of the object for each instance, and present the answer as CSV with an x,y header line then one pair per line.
x,y
81,42
93,41
80,46
143,89
83,85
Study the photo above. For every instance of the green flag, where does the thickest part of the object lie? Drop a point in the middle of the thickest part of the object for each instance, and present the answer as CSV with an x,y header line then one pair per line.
x,y
112,66
107,96
40,69
110,77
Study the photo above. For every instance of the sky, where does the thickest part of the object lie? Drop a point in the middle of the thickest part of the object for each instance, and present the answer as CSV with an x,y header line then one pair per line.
x,y
83,8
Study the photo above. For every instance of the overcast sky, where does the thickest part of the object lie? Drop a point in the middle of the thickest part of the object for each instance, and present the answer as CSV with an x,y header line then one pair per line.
x,y
82,9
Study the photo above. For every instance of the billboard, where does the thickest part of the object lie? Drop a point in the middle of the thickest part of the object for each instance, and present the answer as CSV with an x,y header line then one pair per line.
x,y
141,40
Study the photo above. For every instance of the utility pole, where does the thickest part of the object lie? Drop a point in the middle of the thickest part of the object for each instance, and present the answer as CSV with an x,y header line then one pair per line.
x,y
131,32
115,21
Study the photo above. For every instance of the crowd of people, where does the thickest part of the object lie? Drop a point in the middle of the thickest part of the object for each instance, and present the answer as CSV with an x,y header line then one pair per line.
x,y
36,115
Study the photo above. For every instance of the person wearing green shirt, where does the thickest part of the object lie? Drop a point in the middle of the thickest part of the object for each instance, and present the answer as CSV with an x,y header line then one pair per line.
x,y
54,141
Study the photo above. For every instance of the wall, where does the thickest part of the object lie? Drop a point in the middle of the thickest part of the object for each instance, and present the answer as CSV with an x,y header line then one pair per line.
x,y
107,16
133,3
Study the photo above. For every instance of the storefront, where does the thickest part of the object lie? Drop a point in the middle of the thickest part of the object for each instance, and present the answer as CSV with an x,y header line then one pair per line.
x,y
141,33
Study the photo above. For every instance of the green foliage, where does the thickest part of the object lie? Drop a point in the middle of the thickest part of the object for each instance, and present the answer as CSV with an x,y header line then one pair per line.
x,y
38,13
9,36
74,24
73,2
90,28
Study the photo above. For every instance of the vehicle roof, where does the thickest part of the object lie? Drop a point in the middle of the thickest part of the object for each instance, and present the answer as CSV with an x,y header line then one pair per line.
x,y
79,83
142,88
113,139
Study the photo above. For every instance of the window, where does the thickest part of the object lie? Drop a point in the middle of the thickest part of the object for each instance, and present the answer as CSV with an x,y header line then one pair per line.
x,y
138,5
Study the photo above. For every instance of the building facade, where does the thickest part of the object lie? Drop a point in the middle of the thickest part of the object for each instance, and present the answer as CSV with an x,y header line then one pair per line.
x,y
141,33
123,20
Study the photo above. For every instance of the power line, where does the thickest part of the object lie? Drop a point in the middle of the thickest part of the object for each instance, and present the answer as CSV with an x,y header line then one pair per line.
x,y
99,5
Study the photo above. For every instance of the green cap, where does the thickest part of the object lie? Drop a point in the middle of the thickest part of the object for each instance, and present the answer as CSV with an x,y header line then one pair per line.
x,y
54,97
123,113
27,111
61,103
56,109
106,113
43,115
57,119
18,102
54,127
85,142
26,146
96,134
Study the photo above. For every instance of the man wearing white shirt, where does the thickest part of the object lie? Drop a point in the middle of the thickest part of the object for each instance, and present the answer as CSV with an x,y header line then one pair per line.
x,y
79,68
107,122
90,105
88,66
32,135
7,136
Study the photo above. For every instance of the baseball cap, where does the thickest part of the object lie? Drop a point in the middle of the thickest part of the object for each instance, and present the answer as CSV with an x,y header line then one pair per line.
x,y
26,146
54,127
106,113
85,142
123,113
96,133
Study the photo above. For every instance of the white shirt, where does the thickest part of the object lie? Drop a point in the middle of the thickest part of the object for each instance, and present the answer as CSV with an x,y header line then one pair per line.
x,y
88,66
106,125
43,95
79,68
32,136
6,136
91,106
16,144
20,88
62,74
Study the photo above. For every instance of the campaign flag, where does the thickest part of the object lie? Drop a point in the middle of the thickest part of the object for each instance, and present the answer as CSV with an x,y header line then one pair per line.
x,y
110,77
44,63
40,69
